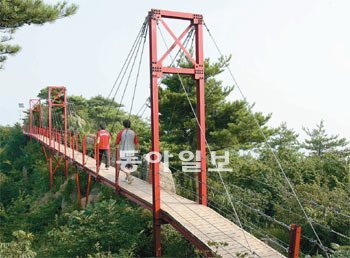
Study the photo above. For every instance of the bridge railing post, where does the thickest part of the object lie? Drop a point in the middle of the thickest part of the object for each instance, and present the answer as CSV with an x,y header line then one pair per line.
x,y
117,169
77,142
59,142
56,136
97,155
72,146
83,149
53,138
78,186
65,144
294,243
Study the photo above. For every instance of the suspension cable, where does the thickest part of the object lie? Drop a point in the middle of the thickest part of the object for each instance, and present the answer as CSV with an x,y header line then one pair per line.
x,y
203,133
144,31
126,60
138,71
267,143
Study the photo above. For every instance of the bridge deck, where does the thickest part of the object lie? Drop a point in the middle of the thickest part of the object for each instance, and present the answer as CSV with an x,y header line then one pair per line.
x,y
200,224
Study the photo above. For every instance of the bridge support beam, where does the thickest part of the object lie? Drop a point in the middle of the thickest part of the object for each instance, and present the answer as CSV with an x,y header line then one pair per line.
x,y
88,190
50,169
155,137
156,71
56,98
88,187
77,182
34,108
66,168
294,244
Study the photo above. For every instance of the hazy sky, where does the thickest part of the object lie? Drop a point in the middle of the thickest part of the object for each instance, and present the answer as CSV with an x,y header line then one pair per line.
x,y
292,58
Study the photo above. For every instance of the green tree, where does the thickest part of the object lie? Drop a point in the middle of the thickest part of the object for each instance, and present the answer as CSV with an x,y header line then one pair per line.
x,y
113,227
20,247
229,124
18,13
319,142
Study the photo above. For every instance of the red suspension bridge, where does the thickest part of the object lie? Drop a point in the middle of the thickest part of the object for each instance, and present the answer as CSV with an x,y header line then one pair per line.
x,y
201,224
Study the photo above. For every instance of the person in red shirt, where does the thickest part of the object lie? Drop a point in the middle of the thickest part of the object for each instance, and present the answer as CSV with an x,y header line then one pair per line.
x,y
103,139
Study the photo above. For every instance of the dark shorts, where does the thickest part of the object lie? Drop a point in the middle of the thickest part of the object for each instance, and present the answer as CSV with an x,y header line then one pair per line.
x,y
104,153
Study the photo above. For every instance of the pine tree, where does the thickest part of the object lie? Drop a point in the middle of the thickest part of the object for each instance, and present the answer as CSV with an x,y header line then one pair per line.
x,y
320,142
18,13
228,124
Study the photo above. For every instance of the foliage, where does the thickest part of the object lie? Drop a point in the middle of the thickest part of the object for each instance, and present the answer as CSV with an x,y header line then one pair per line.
x,y
229,124
123,227
20,247
263,199
17,13
319,142
111,228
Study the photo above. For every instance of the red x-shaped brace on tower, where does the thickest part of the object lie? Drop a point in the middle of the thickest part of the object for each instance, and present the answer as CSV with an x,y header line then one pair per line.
x,y
196,20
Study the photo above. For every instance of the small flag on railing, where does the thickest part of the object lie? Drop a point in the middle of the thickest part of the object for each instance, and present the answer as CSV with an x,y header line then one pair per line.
x,y
20,105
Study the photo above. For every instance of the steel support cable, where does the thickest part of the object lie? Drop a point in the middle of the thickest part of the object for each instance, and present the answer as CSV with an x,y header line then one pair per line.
x,y
326,227
329,229
167,180
71,106
270,238
251,208
125,69
89,153
144,110
137,74
185,43
130,72
171,63
203,133
127,58
180,215
266,142
132,56
333,209
228,215
138,43
60,125
55,121
47,116
254,209
205,219
141,108
58,121
195,194
33,120
138,71
330,208
190,33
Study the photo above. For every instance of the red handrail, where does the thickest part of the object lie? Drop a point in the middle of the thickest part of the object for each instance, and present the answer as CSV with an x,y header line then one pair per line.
x,y
97,155
84,149
117,169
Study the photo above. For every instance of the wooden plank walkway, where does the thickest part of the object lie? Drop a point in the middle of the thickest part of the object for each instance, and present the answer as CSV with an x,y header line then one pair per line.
x,y
203,223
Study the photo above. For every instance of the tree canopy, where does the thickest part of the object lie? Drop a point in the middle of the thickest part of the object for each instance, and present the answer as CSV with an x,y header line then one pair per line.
x,y
319,142
34,216
15,14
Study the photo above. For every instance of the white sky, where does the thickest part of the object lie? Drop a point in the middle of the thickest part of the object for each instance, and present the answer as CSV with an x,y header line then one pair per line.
x,y
292,58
